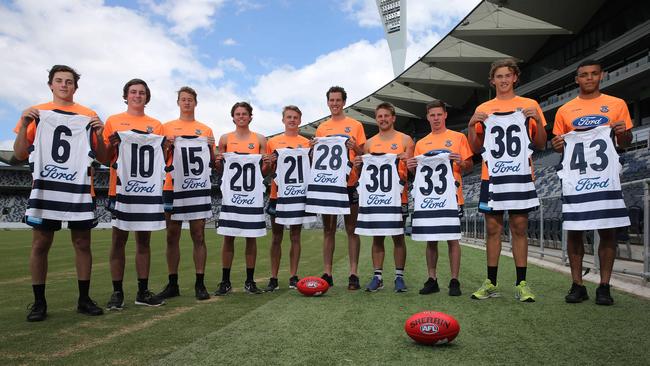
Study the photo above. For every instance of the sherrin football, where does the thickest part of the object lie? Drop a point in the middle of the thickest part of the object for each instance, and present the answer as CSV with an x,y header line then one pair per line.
x,y
312,286
432,327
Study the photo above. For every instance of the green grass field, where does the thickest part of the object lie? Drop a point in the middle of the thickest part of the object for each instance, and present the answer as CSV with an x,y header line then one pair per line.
x,y
286,328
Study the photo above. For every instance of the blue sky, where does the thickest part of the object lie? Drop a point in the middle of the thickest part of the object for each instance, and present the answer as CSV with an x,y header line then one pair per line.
x,y
271,53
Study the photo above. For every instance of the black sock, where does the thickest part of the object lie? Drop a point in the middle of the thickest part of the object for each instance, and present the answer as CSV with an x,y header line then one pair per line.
x,y
492,274
39,294
84,286
199,279
117,286
225,274
250,273
521,275
143,285
173,279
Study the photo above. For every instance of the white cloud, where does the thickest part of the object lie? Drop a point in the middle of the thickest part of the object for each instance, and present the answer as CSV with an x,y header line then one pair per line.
x,y
229,42
186,15
6,144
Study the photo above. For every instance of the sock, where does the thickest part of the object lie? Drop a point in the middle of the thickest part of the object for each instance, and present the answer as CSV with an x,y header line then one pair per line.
x,y
84,286
225,274
199,279
521,274
378,272
117,286
173,279
143,285
492,274
39,294
399,272
250,272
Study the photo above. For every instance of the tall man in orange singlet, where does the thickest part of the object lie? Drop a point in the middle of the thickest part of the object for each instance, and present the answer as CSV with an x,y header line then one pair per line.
x,y
590,101
340,124
389,141
63,82
461,155
185,125
136,95
242,140
503,75
291,118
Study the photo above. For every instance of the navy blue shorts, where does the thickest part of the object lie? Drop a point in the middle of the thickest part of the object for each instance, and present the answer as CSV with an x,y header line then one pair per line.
x,y
483,202
55,225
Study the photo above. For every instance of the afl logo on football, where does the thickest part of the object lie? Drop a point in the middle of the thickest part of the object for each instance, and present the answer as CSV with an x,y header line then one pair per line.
x,y
251,146
311,284
604,109
393,146
149,129
592,120
429,328
448,143
348,129
197,131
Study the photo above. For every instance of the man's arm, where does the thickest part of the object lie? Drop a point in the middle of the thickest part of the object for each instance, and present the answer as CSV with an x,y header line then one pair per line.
x,y
21,144
475,138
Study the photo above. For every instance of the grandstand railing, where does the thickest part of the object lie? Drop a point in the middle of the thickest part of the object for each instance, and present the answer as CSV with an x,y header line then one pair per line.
x,y
473,227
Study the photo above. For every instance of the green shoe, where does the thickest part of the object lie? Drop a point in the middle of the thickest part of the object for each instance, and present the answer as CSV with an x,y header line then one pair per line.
x,y
523,292
486,291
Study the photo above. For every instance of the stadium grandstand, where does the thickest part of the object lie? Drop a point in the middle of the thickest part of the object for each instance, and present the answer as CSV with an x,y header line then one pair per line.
x,y
549,39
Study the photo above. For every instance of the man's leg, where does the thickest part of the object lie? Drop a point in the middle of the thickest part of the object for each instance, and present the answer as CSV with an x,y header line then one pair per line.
x,y
399,255
606,256
142,268
329,243
494,228
200,253
576,252
227,255
377,252
277,234
41,244
117,259
173,254
294,252
454,265
81,240
519,242
354,245
251,257
431,254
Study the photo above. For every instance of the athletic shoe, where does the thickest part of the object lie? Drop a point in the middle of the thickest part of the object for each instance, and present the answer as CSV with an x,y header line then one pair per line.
x,y
603,297
89,307
201,292
293,282
224,288
430,287
577,293
169,291
400,286
353,283
116,302
273,285
37,312
251,288
328,278
375,284
454,288
148,298
486,291
523,292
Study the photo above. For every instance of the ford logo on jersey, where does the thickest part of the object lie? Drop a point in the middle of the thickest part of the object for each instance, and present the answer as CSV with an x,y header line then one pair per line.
x,y
57,172
194,183
379,199
590,121
242,199
590,184
433,202
290,190
505,167
138,186
325,178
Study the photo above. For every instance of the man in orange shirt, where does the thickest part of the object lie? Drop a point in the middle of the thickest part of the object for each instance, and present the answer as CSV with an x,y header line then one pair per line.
x,y
185,125
461,155
388,141
503,75
63,82
291,118
613,112
136,95
339,123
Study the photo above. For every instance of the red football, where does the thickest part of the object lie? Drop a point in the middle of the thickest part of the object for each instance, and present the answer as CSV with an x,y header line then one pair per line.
x,y
432,327
312,286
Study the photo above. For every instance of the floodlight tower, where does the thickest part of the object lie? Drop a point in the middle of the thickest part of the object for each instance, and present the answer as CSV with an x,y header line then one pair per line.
x,y
393,17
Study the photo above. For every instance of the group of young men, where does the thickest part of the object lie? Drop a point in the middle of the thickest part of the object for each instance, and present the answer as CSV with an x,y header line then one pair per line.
x,y
500,129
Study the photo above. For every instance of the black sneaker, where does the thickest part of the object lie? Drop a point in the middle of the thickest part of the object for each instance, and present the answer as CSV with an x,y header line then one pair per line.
x,y
430,287
148,298
37,312
328,278
89,307
603,297
251,288
169,291
224,288
454,287
116,302
200,292
353,283
577,293
293,282
273,285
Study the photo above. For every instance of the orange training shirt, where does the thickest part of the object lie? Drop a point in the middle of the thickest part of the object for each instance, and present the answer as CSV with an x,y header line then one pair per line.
x,y
250,145
583,113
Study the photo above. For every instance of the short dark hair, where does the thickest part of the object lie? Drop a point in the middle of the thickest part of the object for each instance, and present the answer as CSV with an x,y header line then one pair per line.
x,y
130,83
244,105
291,108
589,62
188,90
510,63
436,103
63,68
337,89
387,106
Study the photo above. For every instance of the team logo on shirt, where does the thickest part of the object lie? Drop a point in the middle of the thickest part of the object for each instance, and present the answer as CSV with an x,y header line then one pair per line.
x,y
58,172
589,184
379,199
251,146
299,145
393,146
604,109
591,120
348,129
198,132
448,143
149,129
138,186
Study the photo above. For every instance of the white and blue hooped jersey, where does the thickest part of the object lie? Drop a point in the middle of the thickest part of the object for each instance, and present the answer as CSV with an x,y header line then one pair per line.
x,y
380,190
60,161
291,176
591,188
327,191
242,204
435,205
140,168
190,171
506,151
